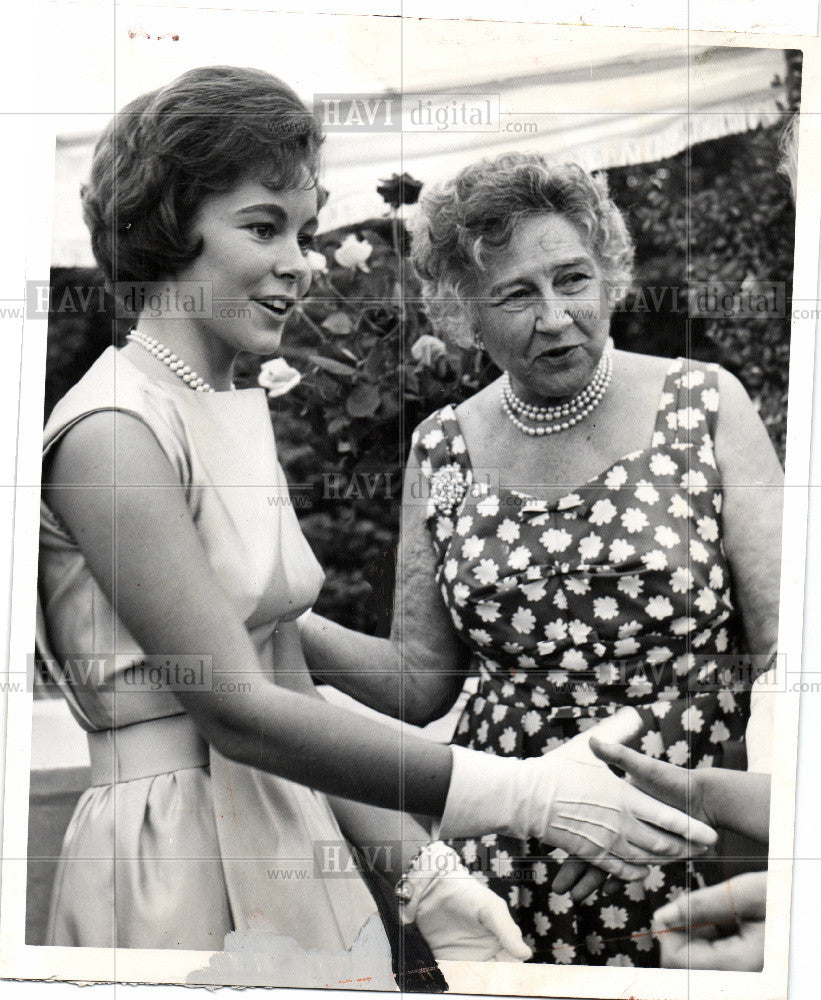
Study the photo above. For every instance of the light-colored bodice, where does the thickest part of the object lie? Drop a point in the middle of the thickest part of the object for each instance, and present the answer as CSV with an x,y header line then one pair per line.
x,y
222,447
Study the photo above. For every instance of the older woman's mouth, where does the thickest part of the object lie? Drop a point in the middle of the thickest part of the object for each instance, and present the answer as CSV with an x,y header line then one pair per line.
x,y
559,353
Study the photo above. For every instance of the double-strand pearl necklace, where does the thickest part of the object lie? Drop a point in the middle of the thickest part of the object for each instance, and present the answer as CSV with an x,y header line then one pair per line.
x,y
552,419
175,364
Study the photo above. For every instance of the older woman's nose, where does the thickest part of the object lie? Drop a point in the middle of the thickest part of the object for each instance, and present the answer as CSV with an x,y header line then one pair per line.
x,y
551,317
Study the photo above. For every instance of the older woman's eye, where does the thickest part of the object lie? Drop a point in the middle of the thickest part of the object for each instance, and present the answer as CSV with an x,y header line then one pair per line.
x,y
574,279
519,298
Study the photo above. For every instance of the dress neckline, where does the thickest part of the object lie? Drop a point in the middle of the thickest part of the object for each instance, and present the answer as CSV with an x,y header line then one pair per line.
x,y
563,501
178,387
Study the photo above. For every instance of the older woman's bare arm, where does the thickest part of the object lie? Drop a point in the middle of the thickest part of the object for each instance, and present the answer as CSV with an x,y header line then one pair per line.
x,y
752,510
418,673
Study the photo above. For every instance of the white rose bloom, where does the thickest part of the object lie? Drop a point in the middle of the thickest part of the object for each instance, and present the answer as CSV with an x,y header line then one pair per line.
x,y
353,253
278,377
317,262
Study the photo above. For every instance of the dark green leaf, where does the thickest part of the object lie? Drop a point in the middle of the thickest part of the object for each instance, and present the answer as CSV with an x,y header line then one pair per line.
x,y
334,367
363,400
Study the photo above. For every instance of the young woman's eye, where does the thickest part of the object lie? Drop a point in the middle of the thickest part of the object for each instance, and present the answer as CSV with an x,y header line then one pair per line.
x,y
306,242
263,230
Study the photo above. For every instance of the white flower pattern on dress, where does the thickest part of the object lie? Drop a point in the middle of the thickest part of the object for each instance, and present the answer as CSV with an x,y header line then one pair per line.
x,y
619,593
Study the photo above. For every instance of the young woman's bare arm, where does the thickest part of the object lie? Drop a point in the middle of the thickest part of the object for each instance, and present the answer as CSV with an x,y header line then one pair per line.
x,y
119,496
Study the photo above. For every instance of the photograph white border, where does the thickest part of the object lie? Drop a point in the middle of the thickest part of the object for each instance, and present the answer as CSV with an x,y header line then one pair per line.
x,y
126,965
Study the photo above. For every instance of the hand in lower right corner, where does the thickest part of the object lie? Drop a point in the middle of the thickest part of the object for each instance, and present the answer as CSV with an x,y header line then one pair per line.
x,y
693,930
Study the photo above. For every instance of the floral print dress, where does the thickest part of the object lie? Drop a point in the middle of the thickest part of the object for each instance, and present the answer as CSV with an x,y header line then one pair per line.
x,y
617,594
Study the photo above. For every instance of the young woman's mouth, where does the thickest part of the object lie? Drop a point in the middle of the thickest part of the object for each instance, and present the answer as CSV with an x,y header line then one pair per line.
x,y
279,306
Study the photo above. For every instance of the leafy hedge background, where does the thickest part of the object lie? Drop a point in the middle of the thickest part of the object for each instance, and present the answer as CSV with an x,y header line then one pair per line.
x,y
372,368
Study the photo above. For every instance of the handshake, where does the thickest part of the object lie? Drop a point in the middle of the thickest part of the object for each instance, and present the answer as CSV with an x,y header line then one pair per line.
x,y
571,799
611,828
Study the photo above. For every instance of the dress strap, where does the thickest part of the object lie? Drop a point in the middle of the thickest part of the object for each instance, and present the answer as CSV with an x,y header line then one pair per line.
x,y
438,441
688,405
439,447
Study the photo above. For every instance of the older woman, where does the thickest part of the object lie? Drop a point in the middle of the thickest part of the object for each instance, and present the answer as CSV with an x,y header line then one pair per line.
x,y
602,530
159,542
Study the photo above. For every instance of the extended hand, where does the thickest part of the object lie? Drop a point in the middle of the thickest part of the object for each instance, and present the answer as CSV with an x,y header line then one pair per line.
x,y
600,818
688,927
570,799
675,786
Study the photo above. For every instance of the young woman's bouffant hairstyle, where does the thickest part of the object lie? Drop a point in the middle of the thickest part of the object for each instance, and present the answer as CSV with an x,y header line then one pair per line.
x,y
165,151
479,210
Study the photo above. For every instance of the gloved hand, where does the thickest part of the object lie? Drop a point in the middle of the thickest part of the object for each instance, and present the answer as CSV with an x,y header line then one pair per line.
x,y
459,917
570,799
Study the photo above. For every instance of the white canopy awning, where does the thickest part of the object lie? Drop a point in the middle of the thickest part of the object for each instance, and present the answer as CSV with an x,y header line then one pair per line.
x,y
597,99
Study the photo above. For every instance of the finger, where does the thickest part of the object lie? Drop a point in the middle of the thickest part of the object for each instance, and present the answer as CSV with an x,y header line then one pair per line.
x,y
731,954
712,906
633,854
673,948
665,782
749,895
621,869
587,884
661,780
569,873
498,921
505,956
658,845
669,819
610,886
620,726
723,905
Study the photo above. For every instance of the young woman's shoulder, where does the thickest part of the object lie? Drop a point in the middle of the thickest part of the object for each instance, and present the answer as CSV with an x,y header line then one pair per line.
x,y
111,422
106,448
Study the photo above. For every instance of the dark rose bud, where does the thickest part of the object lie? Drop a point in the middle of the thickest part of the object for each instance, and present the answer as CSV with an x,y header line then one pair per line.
x,y
398,190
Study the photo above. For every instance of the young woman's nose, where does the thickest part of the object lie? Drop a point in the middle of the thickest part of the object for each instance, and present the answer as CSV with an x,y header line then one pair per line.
x,y
290,264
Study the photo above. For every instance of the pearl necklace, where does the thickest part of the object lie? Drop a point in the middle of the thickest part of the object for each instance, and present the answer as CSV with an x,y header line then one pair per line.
x,y
552,419
175,364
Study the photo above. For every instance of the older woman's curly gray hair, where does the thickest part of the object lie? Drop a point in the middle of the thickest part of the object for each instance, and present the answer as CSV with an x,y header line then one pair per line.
x,y
481,207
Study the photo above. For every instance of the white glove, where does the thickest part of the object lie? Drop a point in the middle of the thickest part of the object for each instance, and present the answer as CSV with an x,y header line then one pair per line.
x,y
572,800
459,917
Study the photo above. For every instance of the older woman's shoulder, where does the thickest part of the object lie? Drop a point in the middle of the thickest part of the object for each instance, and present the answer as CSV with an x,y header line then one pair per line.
x,y
482,405
642,367
650,371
